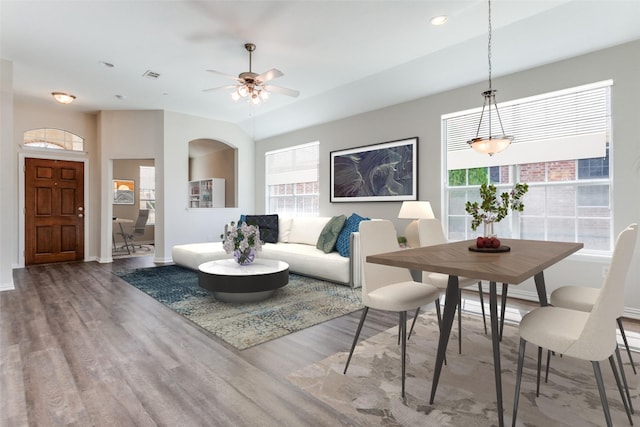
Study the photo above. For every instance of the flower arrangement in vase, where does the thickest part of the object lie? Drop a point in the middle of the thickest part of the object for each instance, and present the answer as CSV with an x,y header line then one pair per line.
x,y
494,208
243,241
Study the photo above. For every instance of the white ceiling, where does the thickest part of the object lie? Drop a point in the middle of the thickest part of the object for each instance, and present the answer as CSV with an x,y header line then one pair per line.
x,y
345,57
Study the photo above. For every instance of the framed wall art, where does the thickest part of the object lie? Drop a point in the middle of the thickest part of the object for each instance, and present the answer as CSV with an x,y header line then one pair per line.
x,y
123,192
380,172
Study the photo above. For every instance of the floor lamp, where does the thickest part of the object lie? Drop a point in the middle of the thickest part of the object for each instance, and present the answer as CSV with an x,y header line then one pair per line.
x,y
415,210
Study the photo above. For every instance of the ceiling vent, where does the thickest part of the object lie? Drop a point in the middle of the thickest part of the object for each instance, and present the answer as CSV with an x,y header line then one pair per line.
x,y
151,74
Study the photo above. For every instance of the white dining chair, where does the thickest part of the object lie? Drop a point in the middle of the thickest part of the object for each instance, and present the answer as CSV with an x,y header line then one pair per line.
x,y
431,233
385,287
585,335
582,298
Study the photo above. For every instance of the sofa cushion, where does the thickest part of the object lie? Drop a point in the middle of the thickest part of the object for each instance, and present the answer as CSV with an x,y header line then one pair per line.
x,y
307,260
268,225
284,229
307,230
329,234
352,224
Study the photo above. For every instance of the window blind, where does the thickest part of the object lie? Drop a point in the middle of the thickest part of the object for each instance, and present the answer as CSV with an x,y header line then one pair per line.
x,y
562,125
292,165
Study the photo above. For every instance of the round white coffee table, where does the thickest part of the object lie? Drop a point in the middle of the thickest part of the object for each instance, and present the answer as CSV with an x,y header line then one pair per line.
x,y
231,282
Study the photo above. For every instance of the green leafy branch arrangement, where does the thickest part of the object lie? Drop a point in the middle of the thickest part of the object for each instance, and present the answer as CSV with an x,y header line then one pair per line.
x,y
494,208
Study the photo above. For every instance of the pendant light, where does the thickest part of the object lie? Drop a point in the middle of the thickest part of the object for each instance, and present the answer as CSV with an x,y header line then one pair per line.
x,y
490,144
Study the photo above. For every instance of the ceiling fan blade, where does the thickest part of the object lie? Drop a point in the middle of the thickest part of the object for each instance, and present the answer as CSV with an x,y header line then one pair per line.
x,y
218,88
282,90
229,76
269,75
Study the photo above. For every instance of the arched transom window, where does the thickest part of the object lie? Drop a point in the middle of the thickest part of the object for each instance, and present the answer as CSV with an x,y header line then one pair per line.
x,y
56,139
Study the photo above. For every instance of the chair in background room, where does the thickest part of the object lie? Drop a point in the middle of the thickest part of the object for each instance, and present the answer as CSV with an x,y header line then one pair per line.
x,y
385,287
431,233
138,229
582,298
585,335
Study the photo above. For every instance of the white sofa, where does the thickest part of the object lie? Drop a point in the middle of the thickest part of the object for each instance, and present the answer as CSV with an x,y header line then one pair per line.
x,y
297,238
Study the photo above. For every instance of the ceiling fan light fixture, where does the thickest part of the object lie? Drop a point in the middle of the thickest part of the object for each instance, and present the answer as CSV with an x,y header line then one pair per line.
x,y
63,98
253,86
490,144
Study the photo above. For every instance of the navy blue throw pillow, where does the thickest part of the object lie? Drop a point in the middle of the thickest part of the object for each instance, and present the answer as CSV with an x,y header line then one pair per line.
x,y
268,225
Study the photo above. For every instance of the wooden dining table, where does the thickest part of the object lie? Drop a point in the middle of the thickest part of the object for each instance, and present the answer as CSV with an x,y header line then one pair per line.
x,y
523,260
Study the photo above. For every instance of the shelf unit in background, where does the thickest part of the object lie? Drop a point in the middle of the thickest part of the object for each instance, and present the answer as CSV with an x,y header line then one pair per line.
x,y
206,193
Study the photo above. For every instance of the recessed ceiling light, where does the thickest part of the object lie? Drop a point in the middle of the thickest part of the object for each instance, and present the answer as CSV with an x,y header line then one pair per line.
x,y
439,20
106,64
121,97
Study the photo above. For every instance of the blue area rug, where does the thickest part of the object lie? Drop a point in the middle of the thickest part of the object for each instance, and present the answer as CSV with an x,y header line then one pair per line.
x,y
302,303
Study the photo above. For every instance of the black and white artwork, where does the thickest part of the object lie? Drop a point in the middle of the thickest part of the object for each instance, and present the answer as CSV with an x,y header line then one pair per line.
x,y
379,172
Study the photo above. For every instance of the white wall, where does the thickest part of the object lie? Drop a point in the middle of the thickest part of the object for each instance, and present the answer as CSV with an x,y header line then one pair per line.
x,y
184,225
164,136
8,219
421,118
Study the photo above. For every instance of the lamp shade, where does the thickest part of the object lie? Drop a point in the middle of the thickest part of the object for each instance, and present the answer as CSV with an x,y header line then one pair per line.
x,y
416,210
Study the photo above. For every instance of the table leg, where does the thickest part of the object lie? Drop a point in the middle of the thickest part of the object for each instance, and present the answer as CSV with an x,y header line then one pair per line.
x,y
450,305
495,340
541,288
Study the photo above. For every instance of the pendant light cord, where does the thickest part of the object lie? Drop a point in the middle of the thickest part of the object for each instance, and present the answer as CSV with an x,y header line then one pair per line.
x,y
489,45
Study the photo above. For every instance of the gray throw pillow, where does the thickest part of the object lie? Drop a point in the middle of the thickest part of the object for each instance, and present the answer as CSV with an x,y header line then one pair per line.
x,y
329,234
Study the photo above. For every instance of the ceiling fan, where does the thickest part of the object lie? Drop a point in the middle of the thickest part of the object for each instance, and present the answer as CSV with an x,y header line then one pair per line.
x,y
254,86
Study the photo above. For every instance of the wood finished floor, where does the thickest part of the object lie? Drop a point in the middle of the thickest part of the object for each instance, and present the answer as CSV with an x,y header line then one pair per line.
x,y
81,347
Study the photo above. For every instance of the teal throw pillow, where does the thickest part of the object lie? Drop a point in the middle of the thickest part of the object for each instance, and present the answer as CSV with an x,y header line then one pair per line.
x,y
329,234
352,224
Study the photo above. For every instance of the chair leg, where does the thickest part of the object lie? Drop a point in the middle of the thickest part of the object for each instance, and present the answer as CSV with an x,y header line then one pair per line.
x,y
624,379
414,322
601,390
546,373
619,384
516,396
503,308
626,344
484,318
538,374
355,339
403,328
459,321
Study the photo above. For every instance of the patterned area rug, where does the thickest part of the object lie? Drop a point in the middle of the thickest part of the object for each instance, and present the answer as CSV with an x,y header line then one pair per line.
x,y
369,394
302,303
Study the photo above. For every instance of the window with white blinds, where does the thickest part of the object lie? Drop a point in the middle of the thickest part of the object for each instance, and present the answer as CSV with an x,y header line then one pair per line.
x,y
562,149
291,179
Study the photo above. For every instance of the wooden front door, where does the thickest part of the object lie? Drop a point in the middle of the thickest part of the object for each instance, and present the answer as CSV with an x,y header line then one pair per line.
x,y
54,211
